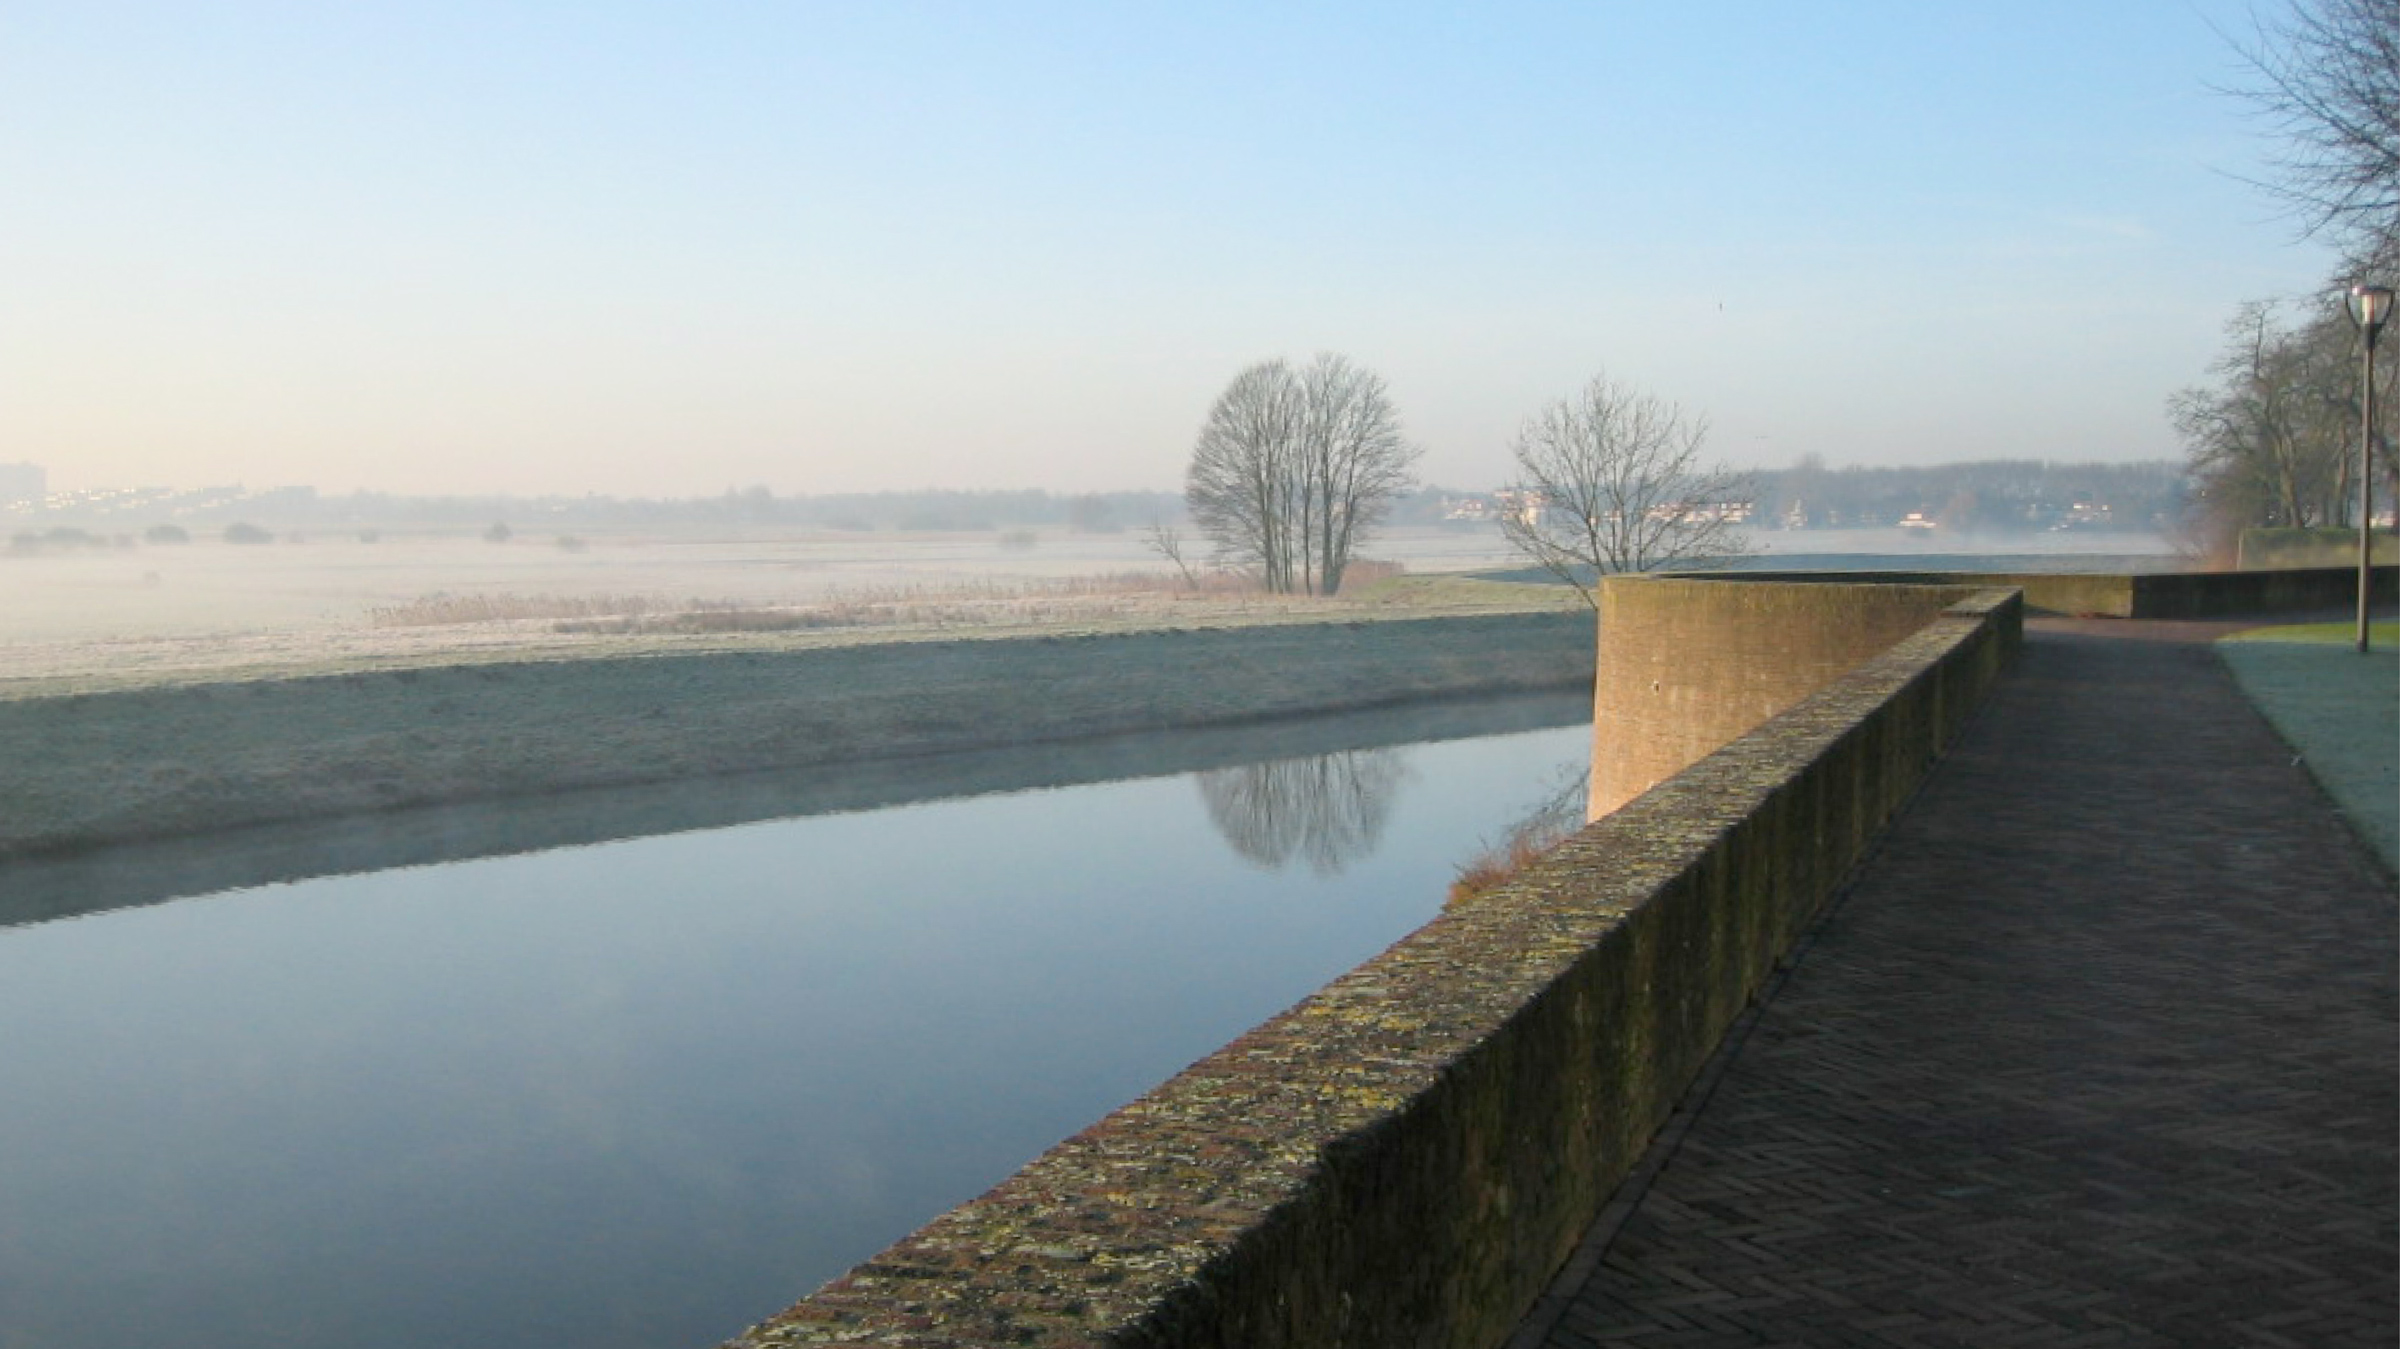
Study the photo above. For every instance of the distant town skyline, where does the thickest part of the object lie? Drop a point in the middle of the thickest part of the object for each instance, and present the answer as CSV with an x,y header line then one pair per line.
x,y
846,247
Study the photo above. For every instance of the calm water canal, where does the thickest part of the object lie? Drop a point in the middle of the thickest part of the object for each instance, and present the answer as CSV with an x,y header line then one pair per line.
x,y
647,1092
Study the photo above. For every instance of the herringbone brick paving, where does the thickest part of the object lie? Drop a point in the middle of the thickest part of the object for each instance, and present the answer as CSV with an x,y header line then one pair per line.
x,y
2101,1048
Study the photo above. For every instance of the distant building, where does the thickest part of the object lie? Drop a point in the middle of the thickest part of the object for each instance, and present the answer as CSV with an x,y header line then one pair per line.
x,y
23,483
1525,507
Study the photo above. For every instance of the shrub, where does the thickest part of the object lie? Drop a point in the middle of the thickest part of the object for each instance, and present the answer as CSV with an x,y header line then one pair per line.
x,y
1550,824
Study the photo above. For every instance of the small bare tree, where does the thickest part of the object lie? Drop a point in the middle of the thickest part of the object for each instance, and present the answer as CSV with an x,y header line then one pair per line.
x,y
1167,541
1611,480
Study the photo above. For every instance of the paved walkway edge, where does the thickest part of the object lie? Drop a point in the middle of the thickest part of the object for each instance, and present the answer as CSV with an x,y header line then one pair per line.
x,y
1556,1300
2099,1044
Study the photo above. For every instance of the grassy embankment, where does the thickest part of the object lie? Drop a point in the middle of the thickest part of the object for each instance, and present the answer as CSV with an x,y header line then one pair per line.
x,y
2339,711
2378,634
208,736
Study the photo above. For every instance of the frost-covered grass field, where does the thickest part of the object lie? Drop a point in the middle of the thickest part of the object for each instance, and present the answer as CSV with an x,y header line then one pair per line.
x,y
333,582
213,610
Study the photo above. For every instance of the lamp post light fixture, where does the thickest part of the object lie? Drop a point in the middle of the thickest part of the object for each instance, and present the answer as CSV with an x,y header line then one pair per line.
x,y
2370,307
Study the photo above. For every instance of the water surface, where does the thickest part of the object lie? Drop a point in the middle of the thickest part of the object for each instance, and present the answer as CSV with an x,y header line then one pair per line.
x,y
649,1091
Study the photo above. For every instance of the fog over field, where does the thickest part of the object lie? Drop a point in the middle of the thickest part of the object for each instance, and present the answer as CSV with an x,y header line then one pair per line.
x,y
335,583
119,616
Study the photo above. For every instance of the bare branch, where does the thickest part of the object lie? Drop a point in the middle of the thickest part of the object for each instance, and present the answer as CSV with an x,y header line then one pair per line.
x,y
1167,541
2325,80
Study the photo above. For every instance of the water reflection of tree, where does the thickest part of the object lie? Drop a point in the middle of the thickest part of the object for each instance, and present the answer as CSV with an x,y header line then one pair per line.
x,y
1329,809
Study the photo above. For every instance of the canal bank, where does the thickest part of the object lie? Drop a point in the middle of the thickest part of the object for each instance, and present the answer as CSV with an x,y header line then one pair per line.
x,y
95,769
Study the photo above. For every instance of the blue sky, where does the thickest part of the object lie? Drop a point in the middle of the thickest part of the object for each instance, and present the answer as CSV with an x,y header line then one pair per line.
x,y
670,249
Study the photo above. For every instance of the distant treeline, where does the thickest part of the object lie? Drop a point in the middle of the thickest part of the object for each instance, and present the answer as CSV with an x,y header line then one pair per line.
x,y
1996,495
130,513
1990,494
301,508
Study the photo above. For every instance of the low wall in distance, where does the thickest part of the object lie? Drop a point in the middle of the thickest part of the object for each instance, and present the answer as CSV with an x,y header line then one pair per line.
x,y
2172,594
2266,549
1407,1156
2229,593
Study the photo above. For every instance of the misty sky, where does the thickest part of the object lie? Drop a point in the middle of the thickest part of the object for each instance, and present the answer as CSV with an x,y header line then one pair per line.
x,y
669,249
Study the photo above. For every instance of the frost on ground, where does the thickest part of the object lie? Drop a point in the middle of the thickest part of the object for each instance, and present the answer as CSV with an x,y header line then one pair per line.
x,y
171,733
215,612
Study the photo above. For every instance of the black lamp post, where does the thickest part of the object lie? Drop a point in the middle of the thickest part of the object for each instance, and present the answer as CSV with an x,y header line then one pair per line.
x,y
2370,306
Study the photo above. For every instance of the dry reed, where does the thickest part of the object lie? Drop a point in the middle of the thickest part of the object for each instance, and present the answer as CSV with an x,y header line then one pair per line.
x,y
442,608
1550,824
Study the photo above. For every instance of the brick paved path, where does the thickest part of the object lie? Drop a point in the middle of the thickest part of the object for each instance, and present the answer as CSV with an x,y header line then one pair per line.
x,y
2100,1050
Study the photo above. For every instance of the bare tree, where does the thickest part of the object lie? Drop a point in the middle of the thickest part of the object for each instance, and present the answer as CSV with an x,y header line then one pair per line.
x,y
1293,469
1354,462
1238,484
2269,442
2326,78
1611,480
